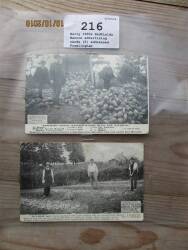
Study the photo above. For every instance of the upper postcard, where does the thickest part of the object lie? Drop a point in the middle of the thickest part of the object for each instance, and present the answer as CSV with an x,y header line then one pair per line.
x,y
86,94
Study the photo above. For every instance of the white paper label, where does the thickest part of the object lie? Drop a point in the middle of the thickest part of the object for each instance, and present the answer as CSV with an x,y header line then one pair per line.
x,y
91,31
131,206
37,119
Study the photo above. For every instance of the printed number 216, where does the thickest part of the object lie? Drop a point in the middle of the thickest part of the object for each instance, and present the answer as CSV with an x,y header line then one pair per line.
x,y
90,26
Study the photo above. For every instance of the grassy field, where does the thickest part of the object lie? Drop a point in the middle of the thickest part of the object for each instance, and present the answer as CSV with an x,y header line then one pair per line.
x,y
81,198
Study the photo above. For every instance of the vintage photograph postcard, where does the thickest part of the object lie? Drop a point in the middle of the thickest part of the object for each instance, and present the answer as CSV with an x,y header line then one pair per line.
x,y
81,182
86,94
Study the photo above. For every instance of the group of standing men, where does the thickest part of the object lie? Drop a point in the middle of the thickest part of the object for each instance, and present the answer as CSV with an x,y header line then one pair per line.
x,y
92,171
55,77
133,173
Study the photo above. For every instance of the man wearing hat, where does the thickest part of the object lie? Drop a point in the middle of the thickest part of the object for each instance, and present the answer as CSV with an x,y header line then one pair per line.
x,y
41,76
57,77
47,178
133,173
106,75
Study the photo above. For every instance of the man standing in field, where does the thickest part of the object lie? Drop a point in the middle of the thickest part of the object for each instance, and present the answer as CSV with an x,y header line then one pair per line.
x,y
57,77
47,178
133,173
93,172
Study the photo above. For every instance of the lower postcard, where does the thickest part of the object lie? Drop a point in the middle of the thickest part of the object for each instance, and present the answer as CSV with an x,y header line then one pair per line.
x,y
81,182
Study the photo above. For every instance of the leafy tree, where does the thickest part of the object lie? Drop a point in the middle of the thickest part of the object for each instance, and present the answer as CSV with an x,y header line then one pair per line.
x,y
41,152
76,152
133,69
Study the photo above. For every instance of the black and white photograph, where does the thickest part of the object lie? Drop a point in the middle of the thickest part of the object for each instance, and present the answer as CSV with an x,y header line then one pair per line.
x,y
92,93
81,182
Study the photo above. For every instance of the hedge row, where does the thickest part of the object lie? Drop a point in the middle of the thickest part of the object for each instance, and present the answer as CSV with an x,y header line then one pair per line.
x,y
72,177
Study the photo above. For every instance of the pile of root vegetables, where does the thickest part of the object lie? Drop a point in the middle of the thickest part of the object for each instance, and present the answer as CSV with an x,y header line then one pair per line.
x,y
127,103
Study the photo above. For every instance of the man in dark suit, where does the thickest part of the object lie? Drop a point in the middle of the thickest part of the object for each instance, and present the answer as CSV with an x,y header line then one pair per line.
x,y
133,173
41,77
57,77
106,74
47,178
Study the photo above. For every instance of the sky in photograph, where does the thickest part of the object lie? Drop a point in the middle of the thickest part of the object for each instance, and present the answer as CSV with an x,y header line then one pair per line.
x,y
107,151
